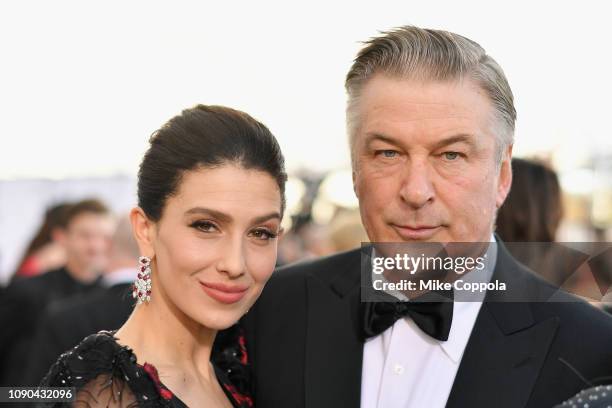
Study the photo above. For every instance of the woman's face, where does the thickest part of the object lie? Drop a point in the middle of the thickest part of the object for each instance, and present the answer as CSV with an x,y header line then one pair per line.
x,y
215,245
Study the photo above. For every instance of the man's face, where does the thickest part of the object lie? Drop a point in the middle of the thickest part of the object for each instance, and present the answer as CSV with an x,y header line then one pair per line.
x,y
424,162
88,239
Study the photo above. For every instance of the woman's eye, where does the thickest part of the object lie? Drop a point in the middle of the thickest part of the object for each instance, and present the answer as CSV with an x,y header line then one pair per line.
x,y
205,226
263,234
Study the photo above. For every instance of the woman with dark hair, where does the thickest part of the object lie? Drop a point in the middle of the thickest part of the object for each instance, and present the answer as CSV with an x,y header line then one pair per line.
x,y
210,204
44,252
529,219
533,210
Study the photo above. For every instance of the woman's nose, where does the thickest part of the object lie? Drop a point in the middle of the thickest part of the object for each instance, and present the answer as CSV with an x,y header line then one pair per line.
x,y
231,259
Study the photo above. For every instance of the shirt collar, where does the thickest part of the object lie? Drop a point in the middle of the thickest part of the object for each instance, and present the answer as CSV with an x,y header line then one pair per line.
x,y
466,312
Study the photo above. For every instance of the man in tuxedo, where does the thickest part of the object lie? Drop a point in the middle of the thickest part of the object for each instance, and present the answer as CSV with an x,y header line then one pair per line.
x,y
430,118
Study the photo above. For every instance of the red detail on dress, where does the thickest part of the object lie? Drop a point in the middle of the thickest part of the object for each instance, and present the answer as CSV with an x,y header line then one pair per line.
x,y
166,394
244,358
239,398
152,372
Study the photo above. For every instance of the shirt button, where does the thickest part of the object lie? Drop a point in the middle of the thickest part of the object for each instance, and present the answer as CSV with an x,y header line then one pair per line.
x,y
398,369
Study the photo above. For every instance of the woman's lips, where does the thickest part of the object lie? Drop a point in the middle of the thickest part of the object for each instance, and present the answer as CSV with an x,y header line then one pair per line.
x,y
419,232
223,293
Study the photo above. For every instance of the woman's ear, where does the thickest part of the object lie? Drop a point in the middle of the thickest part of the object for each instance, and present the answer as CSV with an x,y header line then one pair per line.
x,y
144,231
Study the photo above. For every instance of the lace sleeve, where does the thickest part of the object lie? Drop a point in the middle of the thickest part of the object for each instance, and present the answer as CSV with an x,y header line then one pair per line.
x,y
104,374
105,391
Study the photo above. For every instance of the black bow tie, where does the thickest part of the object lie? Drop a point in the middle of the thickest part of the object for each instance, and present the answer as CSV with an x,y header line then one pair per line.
x,y
433,317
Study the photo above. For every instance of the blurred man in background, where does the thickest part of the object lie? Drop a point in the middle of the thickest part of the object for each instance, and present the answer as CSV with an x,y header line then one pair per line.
x,y
66,323
89,227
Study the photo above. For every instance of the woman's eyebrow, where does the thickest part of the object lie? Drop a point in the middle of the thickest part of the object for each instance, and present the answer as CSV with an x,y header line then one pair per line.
x,y
221,216
264,218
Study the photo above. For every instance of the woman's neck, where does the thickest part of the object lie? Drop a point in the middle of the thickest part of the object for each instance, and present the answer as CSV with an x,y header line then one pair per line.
x,y
162,335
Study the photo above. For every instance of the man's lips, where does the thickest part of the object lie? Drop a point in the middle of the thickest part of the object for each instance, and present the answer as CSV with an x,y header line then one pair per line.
x,y
416,231
224,293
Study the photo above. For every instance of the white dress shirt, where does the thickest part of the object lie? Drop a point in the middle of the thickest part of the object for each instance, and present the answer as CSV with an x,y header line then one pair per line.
x,y
404,367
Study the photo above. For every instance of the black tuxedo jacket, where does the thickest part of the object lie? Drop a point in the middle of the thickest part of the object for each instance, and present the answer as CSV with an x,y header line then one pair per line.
x,y
303,341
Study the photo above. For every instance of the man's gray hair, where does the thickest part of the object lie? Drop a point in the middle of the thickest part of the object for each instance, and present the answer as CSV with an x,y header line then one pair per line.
x,y
410,52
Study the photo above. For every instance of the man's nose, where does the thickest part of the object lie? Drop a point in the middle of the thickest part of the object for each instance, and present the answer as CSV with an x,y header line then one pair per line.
x,y
231,258
416,189
98,242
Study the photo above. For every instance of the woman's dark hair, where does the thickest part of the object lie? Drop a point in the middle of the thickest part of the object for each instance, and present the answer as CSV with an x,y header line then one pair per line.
x,y
205,137
55,218
533,210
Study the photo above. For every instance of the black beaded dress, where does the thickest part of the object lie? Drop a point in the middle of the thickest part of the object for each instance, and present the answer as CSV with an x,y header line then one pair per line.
x,y
105,373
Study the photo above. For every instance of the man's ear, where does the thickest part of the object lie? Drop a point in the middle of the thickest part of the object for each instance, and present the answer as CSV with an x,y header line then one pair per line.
x,y
144,231
505,177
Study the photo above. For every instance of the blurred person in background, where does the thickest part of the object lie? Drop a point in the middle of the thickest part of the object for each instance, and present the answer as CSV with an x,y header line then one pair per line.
x,y
346,231
533,209
89,227
315,240
290,248
530,218
308,239
528,222
45,252
67,322
305,240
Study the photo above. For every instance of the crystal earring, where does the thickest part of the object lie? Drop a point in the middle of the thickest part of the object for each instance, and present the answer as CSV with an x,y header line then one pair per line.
x,y
142,287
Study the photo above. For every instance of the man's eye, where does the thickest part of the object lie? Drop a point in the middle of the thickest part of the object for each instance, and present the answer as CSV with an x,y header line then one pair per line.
x,y
204,226
451,155
389,154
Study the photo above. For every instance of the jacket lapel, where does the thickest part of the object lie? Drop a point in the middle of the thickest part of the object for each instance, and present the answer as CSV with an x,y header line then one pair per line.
x,y
333,354
507,347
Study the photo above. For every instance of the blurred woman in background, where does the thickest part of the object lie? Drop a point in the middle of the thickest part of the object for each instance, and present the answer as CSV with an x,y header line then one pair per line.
x,y
45,252
528,220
